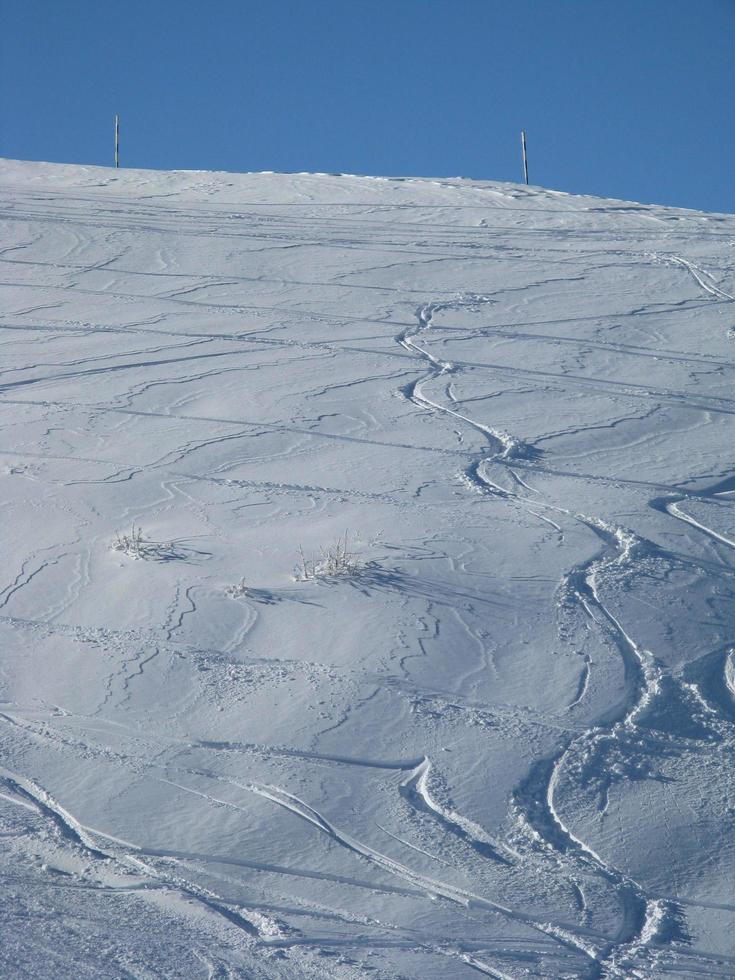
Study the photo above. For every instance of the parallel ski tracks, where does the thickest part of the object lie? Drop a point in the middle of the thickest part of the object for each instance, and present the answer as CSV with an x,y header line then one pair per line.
x,y
645,918
538,801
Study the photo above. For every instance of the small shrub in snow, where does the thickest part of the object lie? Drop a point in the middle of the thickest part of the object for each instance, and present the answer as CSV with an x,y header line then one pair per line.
x,y
336,559
236,591
136,545
132,544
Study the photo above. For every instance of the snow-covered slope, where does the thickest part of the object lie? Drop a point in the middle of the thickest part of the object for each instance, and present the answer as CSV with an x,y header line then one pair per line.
x,y
502,743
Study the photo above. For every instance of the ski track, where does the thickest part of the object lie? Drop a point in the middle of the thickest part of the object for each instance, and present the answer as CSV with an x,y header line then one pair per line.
x,y
542,833
644,918
672,508
125,861
129,855
702,278
431,886
415,789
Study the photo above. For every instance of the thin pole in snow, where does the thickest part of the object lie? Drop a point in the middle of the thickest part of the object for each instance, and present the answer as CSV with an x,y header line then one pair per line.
x,y
117,140
525,155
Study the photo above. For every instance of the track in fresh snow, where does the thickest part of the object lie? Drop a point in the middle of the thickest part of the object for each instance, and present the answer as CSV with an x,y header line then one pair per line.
x,y
503,745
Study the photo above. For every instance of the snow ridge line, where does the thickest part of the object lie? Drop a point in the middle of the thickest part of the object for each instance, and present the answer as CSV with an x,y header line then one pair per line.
x,y
453,893
705,280
79,835
481,967
415,788
672,508
563,934
702,278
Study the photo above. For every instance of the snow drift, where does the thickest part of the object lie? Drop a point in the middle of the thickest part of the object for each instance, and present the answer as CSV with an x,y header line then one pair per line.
x,y
496,738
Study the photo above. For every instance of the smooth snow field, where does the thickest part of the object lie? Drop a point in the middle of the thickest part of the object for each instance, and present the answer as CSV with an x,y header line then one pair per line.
x,y
494,733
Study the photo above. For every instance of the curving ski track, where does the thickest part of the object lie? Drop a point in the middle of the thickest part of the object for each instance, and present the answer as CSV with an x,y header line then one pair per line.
x,y
503,745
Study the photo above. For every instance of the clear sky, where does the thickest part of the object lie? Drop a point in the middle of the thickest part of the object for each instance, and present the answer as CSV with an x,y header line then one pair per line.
x,y
622,98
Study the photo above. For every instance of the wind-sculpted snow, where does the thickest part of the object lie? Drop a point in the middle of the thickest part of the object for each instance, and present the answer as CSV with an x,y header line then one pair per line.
x,y
495,733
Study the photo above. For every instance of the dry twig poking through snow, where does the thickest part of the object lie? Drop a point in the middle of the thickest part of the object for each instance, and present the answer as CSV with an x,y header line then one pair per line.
x,y
335,559
236,591
136,545
132,544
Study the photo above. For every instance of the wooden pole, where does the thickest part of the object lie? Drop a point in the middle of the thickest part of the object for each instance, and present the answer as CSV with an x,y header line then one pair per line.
x,y
525,155
117,141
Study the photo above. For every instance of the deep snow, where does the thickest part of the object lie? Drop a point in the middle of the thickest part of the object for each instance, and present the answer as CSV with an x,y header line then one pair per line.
x,y
502,744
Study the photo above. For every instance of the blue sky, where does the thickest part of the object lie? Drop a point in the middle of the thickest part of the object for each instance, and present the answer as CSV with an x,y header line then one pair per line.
x,y
627,99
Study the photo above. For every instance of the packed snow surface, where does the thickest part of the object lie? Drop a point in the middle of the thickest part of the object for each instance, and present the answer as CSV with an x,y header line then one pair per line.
x,y
367,586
